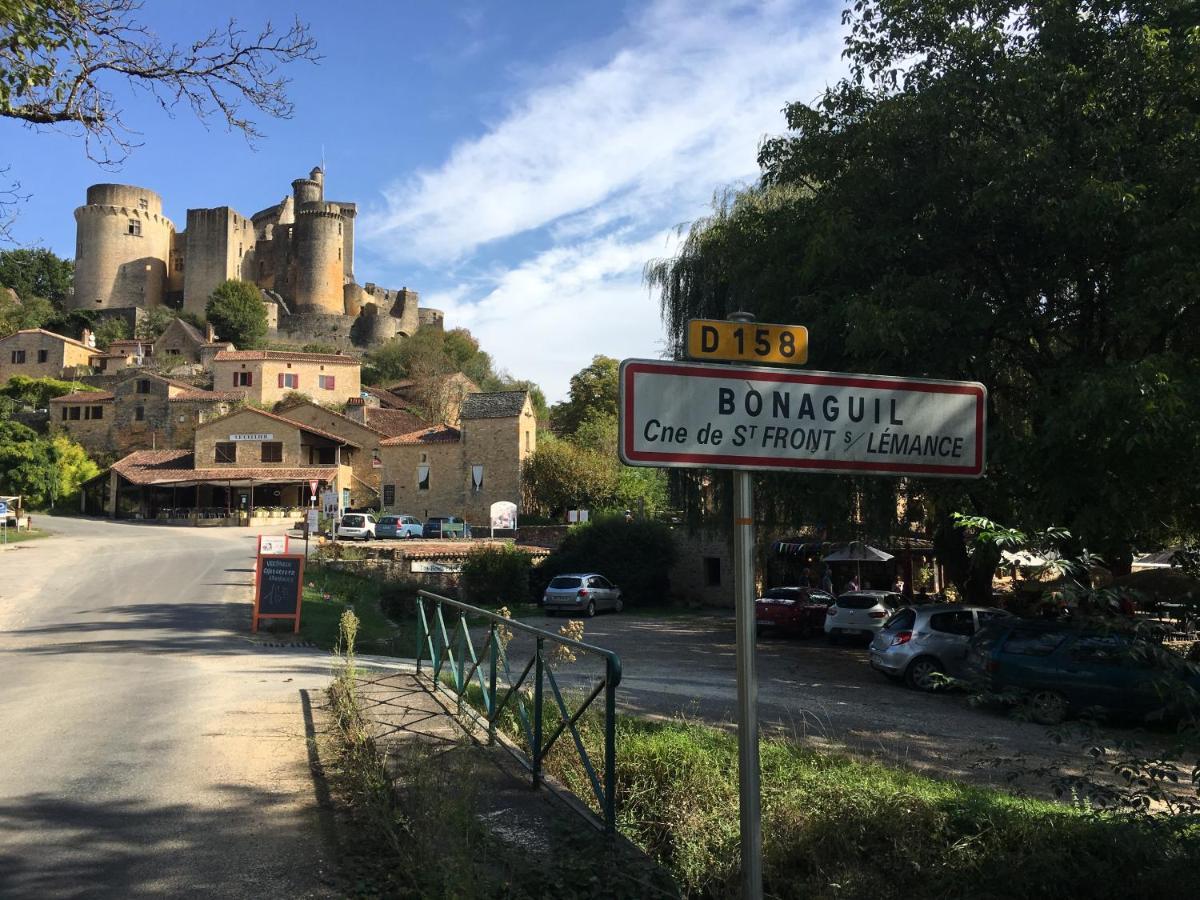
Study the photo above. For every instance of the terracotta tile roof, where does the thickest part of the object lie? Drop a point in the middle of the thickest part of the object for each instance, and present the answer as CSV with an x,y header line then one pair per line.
x,y
302,426
84,397
493,405
385,397
394,421
297,473
148,466
314,405
439,434
189,330
286,355
201,394
460,549
59,337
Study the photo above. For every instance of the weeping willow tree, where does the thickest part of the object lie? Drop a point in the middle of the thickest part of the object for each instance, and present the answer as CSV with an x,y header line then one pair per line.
x,y
1001,192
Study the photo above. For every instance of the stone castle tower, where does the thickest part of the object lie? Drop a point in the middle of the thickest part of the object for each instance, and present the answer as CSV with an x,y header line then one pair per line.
x,y
300,252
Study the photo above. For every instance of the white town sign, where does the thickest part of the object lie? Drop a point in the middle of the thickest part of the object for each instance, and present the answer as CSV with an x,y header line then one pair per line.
x,y
683,414
252,436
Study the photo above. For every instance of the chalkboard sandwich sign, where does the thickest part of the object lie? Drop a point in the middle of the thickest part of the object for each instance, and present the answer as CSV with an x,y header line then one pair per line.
x,y
278,588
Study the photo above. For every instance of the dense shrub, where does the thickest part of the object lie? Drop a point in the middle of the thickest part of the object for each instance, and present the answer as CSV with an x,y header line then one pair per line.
x,y
636,555
495,575
38,392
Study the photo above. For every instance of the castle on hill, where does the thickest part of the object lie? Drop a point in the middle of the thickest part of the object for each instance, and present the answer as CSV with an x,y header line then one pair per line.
x,y
299,252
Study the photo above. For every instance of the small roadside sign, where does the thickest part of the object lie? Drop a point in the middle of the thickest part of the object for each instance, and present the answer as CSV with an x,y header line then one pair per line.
x,y
270,545
3,508
688,415
312,487
314,521
279,587
754,342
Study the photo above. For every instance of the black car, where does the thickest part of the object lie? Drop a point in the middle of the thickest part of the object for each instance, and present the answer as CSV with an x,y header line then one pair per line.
x,y
444,527
1058,668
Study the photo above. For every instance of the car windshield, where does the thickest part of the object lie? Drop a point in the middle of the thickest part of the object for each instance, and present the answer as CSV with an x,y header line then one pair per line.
x,y
352,521
782,594
563,582
388,520
858,601
904,620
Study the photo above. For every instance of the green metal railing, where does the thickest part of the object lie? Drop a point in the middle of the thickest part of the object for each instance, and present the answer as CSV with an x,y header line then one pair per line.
x,y
452,652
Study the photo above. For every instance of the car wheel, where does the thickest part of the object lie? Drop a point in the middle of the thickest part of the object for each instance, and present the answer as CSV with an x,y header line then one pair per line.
x,y
1047,707
923,674
619,605
591,608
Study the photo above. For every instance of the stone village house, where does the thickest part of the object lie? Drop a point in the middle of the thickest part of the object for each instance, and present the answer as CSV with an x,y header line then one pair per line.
x,y
241,467
37,353
267,376
442,470
142,411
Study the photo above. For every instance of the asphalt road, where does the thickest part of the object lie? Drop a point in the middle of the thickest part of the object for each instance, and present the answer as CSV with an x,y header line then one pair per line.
x,y
149,747
825,696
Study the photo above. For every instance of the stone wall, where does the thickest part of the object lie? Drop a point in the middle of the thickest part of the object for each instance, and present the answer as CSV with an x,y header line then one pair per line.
x,y
265,376
445,494
548,536
703,571
249,453
123,243
58,355
217,242
90,427
364,489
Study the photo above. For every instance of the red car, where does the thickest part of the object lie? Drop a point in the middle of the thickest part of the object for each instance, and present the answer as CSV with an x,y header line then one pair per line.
x,y
798,610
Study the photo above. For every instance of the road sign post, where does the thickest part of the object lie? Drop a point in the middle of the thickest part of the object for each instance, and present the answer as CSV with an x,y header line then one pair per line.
x,y
749,812
694,415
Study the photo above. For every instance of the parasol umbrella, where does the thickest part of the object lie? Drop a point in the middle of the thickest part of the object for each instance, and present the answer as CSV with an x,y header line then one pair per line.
x,y
857,552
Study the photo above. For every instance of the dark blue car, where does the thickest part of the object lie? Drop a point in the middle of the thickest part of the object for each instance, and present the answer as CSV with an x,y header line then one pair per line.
x,y
1059,669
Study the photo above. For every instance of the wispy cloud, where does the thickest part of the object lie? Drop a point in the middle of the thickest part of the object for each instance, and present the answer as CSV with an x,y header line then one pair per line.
x,y
590,166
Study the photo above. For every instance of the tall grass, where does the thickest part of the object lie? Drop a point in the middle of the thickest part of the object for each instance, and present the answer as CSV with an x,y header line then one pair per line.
x,y
833,825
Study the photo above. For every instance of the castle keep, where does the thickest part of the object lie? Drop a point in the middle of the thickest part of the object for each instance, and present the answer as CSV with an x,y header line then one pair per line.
x,y
299,252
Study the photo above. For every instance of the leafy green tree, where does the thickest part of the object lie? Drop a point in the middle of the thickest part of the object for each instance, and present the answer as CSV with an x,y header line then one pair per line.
x,y
593,392
36,312
37,273
635,555
38,392
44,471
999,192
111,329
154,323
561,475
236,311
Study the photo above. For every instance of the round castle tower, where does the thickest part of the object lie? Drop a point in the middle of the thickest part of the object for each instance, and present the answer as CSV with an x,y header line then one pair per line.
x,y
122,245
317,249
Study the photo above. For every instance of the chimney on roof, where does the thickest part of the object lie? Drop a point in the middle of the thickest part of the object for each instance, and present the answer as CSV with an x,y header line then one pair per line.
x,y
88,338
210,333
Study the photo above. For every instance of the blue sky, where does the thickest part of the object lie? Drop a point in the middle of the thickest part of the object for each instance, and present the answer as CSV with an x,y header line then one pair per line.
x,y
516,163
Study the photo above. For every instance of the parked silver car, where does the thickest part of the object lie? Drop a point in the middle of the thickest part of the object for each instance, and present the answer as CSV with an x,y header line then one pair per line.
x,y
582,594
923,643
859,613
356,525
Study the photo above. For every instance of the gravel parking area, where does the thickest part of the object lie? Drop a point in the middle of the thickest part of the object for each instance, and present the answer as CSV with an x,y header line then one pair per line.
x,y
817,693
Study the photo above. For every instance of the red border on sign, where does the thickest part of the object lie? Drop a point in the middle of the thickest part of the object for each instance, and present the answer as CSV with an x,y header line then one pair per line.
x,y
632,368
255,616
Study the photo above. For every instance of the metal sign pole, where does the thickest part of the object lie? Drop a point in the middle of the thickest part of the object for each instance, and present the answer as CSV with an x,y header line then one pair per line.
x,y
749,799
747,687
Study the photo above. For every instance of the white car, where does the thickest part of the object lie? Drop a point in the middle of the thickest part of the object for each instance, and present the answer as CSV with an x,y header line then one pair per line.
x,y
359,526
859,613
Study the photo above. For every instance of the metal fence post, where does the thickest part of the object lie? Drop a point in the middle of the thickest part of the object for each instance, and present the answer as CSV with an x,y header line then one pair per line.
x,y
537,714
421,628
610,746
493,651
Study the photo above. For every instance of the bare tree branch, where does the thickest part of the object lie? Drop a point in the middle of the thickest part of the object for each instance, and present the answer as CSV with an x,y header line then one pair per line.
x,y
60,59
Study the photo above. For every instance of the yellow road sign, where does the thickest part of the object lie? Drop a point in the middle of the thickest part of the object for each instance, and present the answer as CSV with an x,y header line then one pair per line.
x,y
747,342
